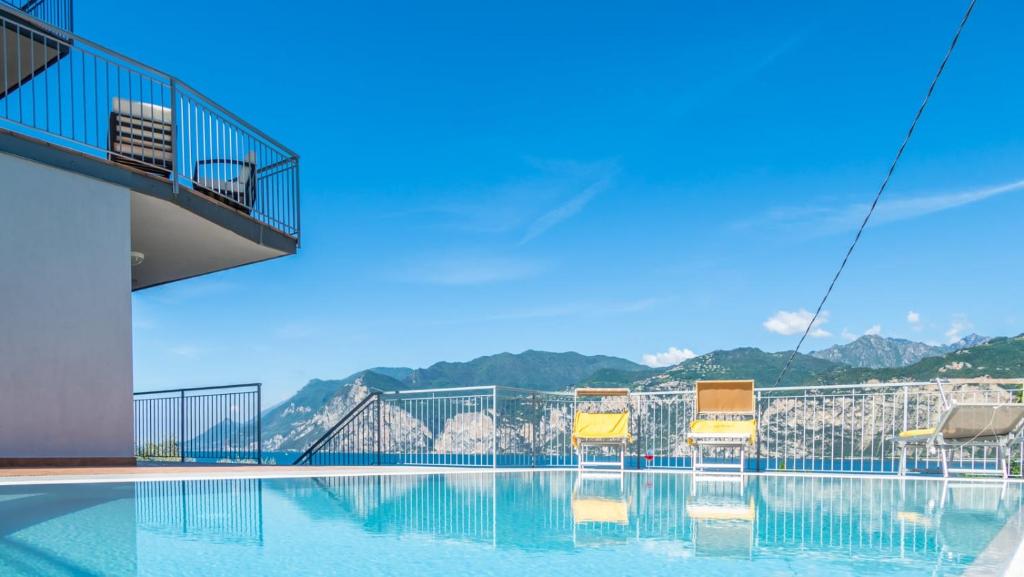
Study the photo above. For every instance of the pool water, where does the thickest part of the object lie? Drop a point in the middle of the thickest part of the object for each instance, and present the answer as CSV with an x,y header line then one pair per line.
x,y
514,524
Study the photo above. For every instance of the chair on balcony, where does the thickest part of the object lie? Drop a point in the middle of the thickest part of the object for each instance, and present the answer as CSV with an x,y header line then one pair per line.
x,y
994,426
724,411
140,136
232,182
603,429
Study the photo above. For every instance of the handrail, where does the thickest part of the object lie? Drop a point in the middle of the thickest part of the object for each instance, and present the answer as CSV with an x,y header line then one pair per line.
x,y
210,388
342,422
120,56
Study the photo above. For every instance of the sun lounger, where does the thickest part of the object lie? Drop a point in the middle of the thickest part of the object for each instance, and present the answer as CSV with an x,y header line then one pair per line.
x,y
724,411
966,426
597,430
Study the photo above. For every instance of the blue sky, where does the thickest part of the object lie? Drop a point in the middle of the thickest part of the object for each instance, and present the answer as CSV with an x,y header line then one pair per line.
x,y
487,177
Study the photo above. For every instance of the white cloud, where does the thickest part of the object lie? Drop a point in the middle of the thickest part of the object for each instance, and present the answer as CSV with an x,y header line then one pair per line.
x,y
913,318
960,325
564,211
848,335
672,356
830,220
796,322
874,330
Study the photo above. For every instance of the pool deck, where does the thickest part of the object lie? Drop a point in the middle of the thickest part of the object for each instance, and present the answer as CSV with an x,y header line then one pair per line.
x,y
44,475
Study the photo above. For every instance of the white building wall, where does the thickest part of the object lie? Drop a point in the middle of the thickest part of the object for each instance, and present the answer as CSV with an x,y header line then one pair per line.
x,y
65,314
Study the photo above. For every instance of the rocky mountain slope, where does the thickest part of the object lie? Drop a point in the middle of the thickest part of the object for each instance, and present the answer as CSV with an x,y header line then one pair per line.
x,y
294,424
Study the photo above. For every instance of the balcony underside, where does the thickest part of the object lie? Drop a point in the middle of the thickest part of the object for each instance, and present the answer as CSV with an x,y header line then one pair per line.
x,y
181,236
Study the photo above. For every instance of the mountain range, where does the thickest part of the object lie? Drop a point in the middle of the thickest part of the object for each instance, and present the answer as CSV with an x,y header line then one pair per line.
x,y
878,352
300,420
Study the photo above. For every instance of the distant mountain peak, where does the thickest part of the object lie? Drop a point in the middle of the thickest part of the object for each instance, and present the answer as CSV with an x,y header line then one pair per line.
x,y
878,352
971,340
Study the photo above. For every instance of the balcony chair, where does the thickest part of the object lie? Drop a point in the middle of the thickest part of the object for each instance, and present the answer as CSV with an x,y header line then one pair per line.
x,y
968,426
600,429
239,191
718,404
140,136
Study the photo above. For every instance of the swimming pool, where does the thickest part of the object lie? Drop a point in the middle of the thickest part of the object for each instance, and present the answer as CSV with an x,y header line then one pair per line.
x,y
518,523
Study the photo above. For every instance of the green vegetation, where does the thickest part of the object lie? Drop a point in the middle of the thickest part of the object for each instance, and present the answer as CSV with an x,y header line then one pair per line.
x,y
163,451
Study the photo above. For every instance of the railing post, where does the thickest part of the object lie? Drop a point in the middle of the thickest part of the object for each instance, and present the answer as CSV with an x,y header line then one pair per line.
x,y
757,432
494,428
380,427
535,424
181,427
639,431
174,138
906,409
259,423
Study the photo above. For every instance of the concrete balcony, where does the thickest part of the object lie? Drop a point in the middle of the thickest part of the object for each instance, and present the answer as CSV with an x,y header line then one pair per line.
x,y
209,191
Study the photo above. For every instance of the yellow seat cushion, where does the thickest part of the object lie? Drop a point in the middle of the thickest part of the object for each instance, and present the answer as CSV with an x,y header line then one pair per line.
x,y
746,428
917,433
600,427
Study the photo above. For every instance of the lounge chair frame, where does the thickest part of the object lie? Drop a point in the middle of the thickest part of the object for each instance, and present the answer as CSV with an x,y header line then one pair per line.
x,y
619,444
706,408
936,440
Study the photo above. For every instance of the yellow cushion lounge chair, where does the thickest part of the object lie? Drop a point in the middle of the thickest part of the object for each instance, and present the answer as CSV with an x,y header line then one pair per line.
x,y
715,400
968,425
600,429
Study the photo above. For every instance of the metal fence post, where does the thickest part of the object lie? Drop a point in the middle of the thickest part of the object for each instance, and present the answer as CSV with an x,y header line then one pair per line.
x,y
259,423
380,427
639,431
175,137
181,428
534,425
757,437
906,409
494,428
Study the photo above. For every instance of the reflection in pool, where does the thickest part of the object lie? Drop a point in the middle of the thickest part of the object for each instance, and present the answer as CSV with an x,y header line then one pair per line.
x,y
535,523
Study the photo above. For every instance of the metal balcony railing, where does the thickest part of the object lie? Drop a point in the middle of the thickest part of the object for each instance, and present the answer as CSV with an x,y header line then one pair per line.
x,y
64,89
58,13
204,424
834,429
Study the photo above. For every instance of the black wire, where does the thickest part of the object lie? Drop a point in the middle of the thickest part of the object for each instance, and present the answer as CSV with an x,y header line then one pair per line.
x,y
881,189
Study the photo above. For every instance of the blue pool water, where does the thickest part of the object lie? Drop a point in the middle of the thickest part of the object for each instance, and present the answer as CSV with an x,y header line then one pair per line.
x,y
515,524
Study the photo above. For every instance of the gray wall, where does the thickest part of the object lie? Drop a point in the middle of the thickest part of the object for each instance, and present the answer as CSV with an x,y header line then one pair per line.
x,y
65,314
